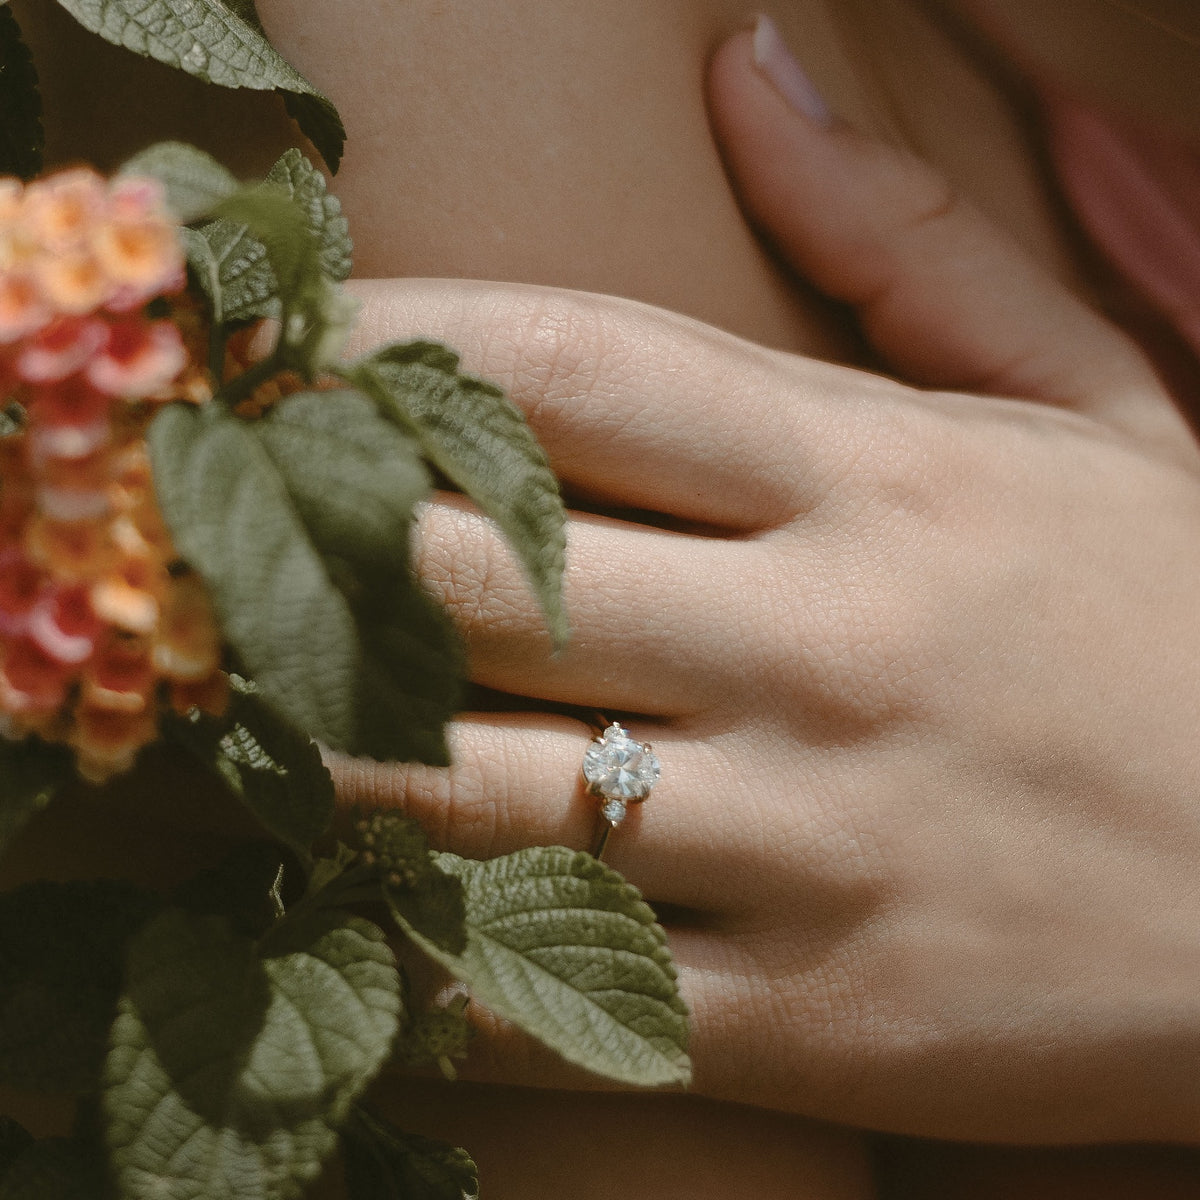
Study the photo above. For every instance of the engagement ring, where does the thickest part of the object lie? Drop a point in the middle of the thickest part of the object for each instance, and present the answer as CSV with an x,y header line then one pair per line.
x,y
620,772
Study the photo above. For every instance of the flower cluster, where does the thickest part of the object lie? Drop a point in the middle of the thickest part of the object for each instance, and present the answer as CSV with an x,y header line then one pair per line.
x,y
99,626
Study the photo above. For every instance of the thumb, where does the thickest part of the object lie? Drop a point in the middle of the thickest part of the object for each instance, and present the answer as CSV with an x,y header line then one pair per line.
x,y
943,295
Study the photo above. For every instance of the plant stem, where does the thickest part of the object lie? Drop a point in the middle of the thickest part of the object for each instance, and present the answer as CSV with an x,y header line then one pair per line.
x,y
243,387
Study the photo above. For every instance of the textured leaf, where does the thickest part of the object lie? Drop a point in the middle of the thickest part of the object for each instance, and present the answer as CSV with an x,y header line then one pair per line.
x,y
434,906
60,975
306,185
382,1163
31,774
280,225
563,947
235,269
419,892
54,1169
231,1070
21,137
315,315
299,524
273,769
231,265
480,440
194,181
213,40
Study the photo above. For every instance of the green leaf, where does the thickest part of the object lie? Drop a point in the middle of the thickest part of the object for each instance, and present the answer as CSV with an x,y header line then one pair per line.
x,y
482,443
21,137
274,770
32,773
55,1169
326,870
420,894
315,315
234,267
279,224
243,887
213,40
434,907
231,1068
60,975
194,181
299,524
563,947
382,1163
12,415
306,186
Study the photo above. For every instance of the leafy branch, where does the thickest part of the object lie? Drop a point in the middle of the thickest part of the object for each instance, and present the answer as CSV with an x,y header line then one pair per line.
x,y
222,1037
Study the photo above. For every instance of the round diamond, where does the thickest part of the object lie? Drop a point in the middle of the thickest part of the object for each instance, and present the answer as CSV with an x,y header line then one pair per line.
x,y
613,811
620,769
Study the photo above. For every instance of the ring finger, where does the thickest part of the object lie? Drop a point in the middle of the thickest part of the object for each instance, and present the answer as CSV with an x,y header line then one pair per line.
x,y
516,782
656,626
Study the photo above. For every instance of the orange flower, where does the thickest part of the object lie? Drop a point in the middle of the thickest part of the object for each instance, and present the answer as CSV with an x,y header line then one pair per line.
x,y
22,310
74,282
60,213
106,742
188,647
121,677
98,636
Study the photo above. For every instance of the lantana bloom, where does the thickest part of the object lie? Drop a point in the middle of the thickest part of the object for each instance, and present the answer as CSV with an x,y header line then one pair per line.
x,y
101,628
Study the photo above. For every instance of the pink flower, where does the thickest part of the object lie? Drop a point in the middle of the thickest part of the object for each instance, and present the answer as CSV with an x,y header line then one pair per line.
x,y
30,679
63,347
139,359
64,625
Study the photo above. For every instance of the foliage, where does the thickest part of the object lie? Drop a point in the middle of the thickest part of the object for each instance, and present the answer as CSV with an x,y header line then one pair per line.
x,y
219,41
221,1035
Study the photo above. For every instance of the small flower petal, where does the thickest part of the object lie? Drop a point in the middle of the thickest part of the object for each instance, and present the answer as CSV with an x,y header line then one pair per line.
x,y
141,358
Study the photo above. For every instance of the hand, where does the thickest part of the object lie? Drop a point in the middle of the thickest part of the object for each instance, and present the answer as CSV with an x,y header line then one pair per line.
x,y
921,665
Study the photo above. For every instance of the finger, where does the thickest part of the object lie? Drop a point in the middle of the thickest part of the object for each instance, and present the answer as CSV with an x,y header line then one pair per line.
x,y
633,404
942,294
516,782
656,626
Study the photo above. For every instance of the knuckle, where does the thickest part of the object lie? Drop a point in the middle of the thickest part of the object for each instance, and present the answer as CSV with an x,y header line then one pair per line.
x,y
910,466
470,573
558,347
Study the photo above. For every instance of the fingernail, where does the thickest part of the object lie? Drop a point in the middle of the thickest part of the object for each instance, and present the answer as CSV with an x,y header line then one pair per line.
x,y
775,61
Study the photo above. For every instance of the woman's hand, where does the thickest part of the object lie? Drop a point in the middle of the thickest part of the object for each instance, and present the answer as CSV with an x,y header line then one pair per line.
x,y
921,666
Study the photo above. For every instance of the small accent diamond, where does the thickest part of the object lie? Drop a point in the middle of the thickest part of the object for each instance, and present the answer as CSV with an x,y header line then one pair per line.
x,y
613,811
619,769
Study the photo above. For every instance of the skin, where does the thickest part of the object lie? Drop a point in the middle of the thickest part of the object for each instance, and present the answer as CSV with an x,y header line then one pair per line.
x,y
920,689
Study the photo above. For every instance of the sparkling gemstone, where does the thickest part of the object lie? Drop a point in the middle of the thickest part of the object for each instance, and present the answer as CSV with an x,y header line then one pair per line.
x,y
620,769
613,811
